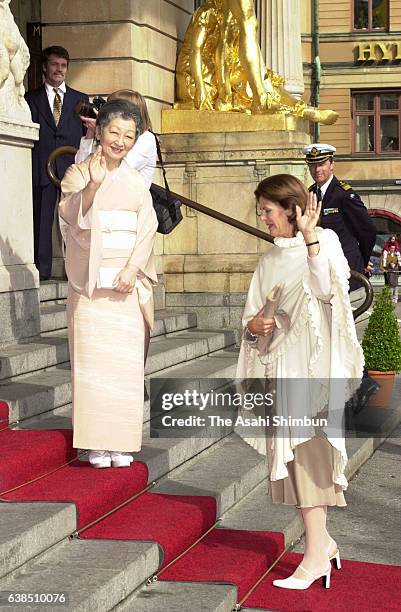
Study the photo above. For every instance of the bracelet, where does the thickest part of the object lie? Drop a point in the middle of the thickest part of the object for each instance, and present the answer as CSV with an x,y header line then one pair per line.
x,y
249,336
311,243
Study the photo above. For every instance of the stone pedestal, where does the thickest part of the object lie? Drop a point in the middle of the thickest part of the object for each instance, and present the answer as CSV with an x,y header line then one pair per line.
x,y
207,264
19,280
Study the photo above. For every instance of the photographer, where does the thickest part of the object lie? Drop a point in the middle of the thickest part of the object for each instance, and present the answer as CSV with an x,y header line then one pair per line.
x,y
143,155
52,106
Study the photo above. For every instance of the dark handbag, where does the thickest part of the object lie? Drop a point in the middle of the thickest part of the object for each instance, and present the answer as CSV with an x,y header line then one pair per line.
x,y
167,207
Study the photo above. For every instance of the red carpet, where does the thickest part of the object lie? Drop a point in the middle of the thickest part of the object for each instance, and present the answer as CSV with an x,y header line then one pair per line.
x,y
174,521
3,415
24,455
228,555
358,586
94,492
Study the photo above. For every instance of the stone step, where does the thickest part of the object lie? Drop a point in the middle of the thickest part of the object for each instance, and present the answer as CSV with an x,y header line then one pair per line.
x,y
51,349
235,474
33,354
181,597
95,575
55,292
49,405
184,346
53,317
227,469
28,529
38,393
252,510
42,392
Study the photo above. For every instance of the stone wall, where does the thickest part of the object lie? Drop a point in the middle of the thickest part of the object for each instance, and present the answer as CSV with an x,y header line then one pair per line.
x,y
119,45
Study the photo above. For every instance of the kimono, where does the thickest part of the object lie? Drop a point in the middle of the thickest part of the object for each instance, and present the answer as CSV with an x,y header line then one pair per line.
x,y
106,328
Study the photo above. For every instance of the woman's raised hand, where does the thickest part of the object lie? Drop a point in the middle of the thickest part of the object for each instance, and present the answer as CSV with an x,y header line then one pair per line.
x,y
97,167
307,221
259,326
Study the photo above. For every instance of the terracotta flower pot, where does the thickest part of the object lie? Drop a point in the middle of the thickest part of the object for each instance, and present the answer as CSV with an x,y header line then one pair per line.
x,y
386,381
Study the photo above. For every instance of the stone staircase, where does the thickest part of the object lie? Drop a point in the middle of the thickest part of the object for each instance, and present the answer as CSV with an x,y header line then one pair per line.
x,y
37,552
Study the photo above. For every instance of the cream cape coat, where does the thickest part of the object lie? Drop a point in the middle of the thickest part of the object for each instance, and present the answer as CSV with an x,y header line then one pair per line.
x,y
320,344
83,236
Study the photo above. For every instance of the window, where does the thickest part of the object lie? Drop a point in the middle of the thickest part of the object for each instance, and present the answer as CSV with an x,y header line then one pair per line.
x,y
376,121
371,14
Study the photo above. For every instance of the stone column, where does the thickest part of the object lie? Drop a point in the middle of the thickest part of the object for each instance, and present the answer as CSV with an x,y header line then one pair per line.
x,y
280,40
19,281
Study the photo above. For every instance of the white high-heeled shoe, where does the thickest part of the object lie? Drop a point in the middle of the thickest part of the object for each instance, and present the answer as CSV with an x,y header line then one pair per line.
x,y
297,584
334,556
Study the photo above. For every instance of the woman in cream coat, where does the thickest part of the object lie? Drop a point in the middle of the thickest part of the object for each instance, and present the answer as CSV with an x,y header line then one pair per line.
x,y
314,359
109,224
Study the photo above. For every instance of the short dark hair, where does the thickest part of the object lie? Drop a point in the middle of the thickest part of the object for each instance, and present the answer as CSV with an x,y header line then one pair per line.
x,y
123,109
285,190
55,50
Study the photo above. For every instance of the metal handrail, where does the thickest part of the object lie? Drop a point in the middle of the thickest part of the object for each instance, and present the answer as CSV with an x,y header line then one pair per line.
x,y
253,231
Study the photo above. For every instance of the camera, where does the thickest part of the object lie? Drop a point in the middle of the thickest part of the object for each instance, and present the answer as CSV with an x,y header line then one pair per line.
x,y
87,109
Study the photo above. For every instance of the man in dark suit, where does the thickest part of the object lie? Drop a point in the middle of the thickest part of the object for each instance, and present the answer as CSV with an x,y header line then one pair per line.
x,y
52,106
342,209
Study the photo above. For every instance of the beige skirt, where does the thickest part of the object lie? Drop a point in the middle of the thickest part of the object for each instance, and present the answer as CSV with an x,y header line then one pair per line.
x,y
310,478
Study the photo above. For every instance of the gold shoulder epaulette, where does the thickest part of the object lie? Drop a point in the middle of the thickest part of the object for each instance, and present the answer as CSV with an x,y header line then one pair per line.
x,y
345,186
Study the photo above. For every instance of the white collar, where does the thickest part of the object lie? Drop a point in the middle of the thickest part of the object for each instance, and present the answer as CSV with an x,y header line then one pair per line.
x,y
285,243
297,240
325,185
50,88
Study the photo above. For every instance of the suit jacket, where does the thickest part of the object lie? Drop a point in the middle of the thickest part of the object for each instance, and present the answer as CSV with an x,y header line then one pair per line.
x,y
68,132
344,212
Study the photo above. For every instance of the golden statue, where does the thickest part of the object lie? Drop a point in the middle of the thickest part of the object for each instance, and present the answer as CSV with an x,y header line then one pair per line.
x,y
220,66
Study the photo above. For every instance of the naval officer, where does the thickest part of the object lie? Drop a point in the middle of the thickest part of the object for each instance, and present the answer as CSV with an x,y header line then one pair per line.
x,y
342,209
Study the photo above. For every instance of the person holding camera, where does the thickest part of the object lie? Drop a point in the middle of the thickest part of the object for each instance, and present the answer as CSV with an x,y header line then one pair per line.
x,y
143,155
109,225
52,106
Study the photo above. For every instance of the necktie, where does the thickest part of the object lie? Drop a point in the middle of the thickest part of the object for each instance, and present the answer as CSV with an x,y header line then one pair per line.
x,y
319,194
56,106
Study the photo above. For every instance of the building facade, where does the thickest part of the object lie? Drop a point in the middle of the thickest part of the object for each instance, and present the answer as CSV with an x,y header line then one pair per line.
x,y
352,63
344,55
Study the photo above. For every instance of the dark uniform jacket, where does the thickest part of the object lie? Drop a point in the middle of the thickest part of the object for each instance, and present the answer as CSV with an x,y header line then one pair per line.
x,y
344,212
68,132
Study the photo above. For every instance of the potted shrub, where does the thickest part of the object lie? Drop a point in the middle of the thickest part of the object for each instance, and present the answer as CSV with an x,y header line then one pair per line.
x,y
382,347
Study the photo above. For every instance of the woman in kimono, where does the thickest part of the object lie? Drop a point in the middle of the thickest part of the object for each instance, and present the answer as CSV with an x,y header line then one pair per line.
x,y
310,350
109,224
142,156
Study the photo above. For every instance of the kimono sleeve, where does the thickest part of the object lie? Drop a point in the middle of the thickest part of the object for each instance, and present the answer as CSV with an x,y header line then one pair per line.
x,y
146,234
70,206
